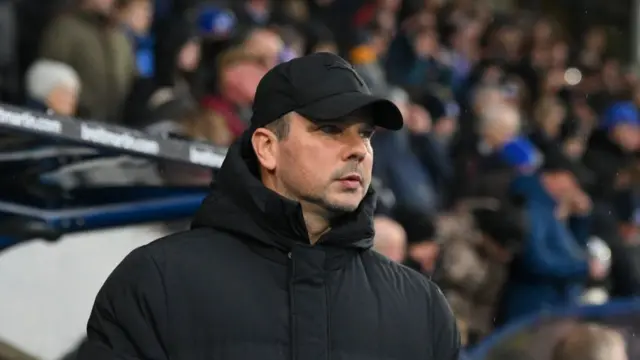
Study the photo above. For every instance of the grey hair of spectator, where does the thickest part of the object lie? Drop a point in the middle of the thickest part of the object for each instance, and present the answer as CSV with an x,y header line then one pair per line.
x,y
44,76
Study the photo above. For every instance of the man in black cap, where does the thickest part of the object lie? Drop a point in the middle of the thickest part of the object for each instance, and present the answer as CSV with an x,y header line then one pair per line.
x,y
278,263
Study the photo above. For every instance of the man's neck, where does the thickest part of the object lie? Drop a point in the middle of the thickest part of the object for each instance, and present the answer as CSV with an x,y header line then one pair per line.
x,y
317,224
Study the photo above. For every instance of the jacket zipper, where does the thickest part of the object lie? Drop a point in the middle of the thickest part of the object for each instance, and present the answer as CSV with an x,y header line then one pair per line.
x,y
292,311
327,303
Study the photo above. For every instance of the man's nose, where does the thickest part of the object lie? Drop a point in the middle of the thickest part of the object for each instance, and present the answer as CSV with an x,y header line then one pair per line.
x,y
356,146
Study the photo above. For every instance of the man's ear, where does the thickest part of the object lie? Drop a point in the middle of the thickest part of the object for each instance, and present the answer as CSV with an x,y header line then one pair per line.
x,y
265,146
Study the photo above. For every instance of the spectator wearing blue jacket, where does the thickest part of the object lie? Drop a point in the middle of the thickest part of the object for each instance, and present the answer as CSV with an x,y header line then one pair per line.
x,y
553,265
135,17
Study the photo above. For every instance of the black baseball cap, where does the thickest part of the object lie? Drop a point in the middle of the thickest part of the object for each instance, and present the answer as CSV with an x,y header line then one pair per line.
x,y
320,87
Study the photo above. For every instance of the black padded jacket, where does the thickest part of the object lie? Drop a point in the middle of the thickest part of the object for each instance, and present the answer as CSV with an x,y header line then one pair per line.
x,y
245,284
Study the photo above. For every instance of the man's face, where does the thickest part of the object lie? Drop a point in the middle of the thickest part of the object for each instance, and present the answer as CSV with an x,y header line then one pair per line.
x,y
189,56
139,16
326,165
559,184
627,136
63,100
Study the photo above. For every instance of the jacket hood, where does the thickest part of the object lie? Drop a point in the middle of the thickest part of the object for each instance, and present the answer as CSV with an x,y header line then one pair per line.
x,y
241,205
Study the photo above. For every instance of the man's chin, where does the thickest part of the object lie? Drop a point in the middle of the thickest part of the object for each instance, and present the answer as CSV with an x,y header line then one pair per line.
x,y
344,206
337,205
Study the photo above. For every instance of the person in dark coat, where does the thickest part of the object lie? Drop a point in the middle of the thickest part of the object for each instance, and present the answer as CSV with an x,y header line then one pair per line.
x,y
279,261
611,157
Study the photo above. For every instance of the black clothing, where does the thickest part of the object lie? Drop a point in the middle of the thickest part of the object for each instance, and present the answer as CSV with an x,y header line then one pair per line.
x,y
606,160
337,91
246,284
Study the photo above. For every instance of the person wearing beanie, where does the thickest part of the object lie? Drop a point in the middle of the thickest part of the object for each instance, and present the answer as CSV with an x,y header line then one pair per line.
x,y
611,156
53,86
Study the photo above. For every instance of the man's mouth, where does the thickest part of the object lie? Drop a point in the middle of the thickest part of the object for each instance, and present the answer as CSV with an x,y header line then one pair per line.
x,y
351,180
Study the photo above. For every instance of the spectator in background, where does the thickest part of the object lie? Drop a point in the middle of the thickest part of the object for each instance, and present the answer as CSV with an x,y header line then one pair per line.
x,y
87,40
463,52
53,86
611,158
417,62
256,12
478,246
135,17
398,167
366,59
467,137
390,239
167,107
546,130
430,131
319,39
423,246
178,56
592,54
497,124
553,266
9,57
266,44
180,117
239,73
294,42
591,342
548,118
611,150
444,112
219,30
297,11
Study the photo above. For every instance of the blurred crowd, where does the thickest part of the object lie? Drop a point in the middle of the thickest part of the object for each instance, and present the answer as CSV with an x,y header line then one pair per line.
x,y
512,185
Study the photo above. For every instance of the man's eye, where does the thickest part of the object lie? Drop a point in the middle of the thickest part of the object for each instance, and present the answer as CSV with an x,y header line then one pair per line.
x,y
368,134
330,129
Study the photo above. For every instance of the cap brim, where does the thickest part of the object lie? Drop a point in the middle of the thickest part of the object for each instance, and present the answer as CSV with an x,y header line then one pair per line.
x,y
385,113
